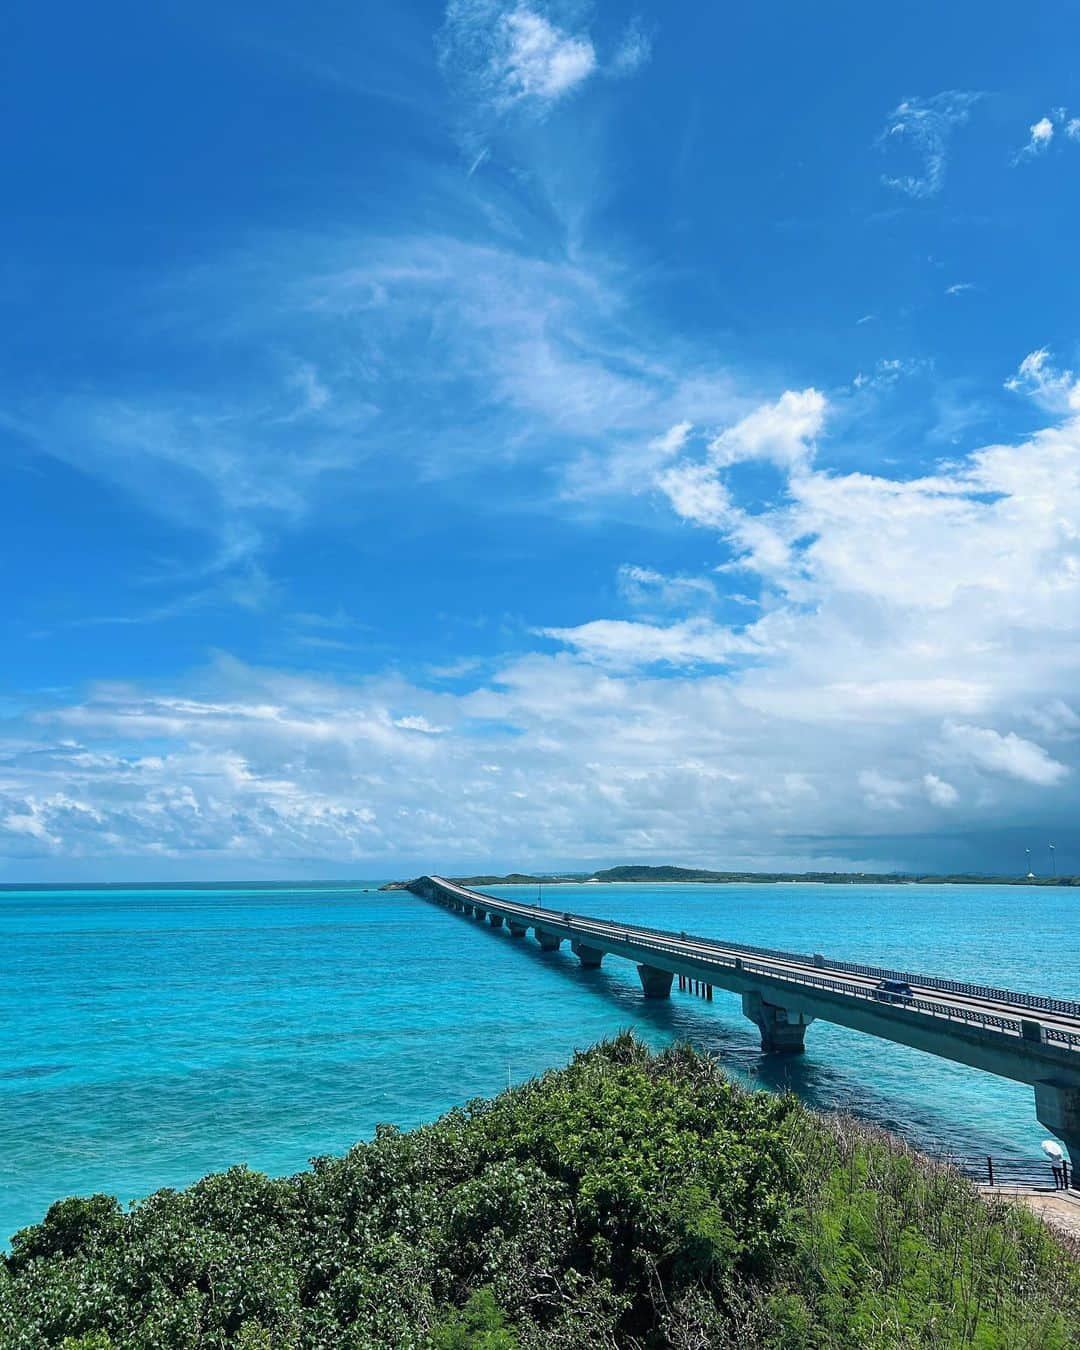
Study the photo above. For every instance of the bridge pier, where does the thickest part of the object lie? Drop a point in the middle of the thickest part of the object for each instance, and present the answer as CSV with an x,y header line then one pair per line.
x,y
549,942
517,930
590,957
1058,1108
655,983
782,1031
494,919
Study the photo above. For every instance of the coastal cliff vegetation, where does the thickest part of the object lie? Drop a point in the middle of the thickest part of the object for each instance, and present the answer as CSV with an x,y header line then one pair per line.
x,y
631,1199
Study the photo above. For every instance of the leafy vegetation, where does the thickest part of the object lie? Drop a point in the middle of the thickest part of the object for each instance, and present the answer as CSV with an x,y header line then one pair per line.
x,y
630,1199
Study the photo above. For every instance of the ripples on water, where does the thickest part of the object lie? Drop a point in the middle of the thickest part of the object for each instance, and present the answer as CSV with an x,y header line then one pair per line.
x,y
150,1037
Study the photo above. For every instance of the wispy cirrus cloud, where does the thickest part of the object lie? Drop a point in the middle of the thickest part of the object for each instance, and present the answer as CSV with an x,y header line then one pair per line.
x,y
1051,387
923,127
634,50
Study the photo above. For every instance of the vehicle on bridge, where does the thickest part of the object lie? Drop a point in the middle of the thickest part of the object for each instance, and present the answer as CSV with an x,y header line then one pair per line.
x,y
893,991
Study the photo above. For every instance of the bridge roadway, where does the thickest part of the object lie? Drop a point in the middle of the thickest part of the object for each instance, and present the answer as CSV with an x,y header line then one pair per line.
x,y
1026,1037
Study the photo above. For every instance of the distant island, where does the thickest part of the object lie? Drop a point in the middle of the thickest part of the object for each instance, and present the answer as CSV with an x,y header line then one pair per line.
x,y
633,873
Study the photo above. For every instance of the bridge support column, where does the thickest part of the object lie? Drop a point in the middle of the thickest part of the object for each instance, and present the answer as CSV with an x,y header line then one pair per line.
x,y
549,942
655,983
782,1031
479,912
1058,1108
517,930
590,957
494,919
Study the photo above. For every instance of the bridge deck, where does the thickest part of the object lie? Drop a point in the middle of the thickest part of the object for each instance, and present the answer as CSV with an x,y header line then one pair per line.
x,y
1000,1011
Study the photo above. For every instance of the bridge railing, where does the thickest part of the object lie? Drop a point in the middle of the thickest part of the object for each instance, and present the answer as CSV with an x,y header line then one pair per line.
x,y
663,941
1041,1002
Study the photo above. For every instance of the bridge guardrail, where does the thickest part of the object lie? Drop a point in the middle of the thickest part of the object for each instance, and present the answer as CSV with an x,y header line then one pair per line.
x,y
1042,1002
606,930
640,934
946,1011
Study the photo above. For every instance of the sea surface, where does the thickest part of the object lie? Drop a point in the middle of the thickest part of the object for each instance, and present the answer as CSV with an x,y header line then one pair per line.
x,y
149,1037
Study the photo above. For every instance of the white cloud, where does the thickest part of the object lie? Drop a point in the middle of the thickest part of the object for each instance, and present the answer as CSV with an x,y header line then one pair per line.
x,y
507,56
672,440
633,51
959,287
1054,389
883,793
1008,754
889,370
418,723
939,791
1041,134
651,592
925,125
782,432
538,60
624,644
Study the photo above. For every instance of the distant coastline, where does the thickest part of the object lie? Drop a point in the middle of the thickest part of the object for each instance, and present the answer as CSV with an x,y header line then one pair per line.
x,y
630,874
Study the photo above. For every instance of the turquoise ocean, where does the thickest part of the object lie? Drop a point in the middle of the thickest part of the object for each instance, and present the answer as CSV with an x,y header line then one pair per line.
x,y
150,1036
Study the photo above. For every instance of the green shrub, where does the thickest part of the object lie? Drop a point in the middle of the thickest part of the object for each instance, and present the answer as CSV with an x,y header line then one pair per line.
x,y
629,1199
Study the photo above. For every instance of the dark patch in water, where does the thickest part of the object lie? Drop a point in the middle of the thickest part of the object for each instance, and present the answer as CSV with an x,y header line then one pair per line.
x,y
34,1071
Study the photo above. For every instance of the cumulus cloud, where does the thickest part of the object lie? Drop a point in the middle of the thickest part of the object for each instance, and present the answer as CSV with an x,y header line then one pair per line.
x,y
1007,754
782,432
1041,134
939,791
924,127
510,55
914,649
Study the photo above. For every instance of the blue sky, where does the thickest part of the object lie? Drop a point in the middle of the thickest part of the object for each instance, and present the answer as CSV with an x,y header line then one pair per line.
x,y
511,434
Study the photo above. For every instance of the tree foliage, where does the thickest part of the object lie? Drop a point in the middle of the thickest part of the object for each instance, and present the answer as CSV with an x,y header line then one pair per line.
x,y
630,1200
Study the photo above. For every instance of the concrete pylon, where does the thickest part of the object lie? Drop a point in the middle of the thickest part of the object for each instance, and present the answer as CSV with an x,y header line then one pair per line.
x,y
782,1031
495,919
549,942
655,983
517,930
1058,1108
590,957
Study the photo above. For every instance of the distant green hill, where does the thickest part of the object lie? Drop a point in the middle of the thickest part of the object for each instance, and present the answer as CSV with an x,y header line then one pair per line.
x,y
632,872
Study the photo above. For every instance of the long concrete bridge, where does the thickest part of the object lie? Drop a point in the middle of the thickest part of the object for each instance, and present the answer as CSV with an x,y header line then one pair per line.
x,y
1026,1037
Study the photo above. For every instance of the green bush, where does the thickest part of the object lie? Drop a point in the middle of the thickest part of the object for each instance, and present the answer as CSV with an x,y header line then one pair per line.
x,y
630,1199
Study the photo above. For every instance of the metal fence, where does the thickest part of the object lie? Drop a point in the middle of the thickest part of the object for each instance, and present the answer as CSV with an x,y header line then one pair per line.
x,y
1017,1172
